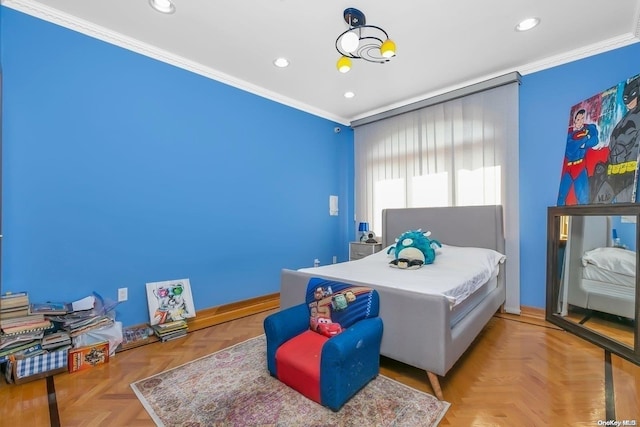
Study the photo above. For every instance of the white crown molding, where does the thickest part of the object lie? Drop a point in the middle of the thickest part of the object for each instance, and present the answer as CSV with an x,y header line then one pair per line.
x,y
73,23
583,52
524,69
54,16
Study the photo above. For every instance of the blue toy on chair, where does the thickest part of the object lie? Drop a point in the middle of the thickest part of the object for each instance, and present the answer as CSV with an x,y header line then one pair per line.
x,y
327,348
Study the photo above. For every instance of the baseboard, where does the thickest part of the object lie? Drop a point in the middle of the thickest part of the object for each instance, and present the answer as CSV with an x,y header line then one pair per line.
x,y
532,312
225,313
216,315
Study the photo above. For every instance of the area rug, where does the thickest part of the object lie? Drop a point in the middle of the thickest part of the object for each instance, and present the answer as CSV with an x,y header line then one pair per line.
x,y
232,387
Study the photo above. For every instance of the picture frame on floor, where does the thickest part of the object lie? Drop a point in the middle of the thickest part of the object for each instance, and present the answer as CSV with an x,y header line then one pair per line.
x,y
169,301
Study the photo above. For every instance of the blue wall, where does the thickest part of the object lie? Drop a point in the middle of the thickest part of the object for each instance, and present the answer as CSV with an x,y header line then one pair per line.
x,y
120,170
546,98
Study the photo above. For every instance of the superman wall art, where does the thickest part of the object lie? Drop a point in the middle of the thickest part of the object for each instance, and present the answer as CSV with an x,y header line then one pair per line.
x,y
600,164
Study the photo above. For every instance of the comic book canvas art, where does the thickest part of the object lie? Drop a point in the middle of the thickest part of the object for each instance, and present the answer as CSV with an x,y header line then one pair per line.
x,y
170,301
601,157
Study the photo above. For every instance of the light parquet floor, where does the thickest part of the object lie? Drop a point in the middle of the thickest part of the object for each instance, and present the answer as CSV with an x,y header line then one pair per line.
x,y
515,374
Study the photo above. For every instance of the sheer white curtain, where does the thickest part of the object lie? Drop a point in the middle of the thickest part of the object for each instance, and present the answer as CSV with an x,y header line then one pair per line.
x,y
455,153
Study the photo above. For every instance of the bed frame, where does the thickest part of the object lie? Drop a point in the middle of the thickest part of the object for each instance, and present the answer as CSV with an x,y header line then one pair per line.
x,y
417,327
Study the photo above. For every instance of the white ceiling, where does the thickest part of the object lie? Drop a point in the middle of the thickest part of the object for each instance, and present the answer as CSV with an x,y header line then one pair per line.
x,y
441,45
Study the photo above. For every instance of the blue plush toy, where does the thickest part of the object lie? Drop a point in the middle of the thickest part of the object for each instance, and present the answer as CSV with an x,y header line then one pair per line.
x,y
413,249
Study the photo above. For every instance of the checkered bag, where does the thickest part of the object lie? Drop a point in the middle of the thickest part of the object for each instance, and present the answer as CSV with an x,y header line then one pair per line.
x,y
40,363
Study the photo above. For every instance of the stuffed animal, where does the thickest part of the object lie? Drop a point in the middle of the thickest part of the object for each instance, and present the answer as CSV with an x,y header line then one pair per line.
x,y
413,249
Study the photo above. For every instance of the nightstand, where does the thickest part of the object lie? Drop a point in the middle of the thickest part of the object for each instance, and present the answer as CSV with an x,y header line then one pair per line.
x,y
358,250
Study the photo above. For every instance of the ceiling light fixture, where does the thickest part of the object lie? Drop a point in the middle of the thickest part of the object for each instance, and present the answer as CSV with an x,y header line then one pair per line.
x,y
362,41
527,24
349,95
164,6
281,62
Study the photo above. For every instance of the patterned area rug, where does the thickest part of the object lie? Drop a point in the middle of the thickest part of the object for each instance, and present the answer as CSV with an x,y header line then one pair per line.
x,y
232,387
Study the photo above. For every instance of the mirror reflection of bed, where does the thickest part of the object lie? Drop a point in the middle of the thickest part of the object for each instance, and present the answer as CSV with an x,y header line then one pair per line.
x,y
598,279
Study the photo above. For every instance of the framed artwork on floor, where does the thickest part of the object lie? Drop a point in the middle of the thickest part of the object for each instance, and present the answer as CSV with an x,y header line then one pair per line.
x,y
169,301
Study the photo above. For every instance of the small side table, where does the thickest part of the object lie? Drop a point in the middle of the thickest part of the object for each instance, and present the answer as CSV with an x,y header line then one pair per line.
x,y
359,250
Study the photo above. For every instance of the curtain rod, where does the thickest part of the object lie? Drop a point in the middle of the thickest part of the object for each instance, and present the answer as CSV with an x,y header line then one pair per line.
x,y
439,99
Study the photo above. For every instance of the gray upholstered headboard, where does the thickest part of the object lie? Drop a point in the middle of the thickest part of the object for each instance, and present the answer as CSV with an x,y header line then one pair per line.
x,y
477,226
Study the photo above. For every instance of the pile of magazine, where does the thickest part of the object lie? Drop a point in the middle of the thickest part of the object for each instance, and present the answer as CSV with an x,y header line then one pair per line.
x,y
171,330
90,313
48,327
21,345
21,332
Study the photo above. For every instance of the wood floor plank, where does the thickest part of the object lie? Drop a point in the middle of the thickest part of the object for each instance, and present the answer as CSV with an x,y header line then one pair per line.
x,y
515,373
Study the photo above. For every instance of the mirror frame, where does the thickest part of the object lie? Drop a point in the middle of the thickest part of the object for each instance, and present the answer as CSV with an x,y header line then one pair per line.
x,y
554,282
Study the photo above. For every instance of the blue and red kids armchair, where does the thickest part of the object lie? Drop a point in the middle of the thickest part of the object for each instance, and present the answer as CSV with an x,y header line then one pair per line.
x,y
327,348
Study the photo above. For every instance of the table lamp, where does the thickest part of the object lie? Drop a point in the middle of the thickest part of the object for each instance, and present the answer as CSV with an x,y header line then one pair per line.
x,y
363,227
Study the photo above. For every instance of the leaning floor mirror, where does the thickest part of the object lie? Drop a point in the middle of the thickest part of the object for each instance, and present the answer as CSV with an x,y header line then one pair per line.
x,y
592,280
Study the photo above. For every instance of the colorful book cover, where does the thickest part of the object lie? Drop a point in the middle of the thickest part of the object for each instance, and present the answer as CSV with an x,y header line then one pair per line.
x,y
87,357
50,308
135,333
170,301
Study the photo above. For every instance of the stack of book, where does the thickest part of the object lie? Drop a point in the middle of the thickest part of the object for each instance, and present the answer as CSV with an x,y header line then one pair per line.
x,y
28,323
14,305
55,341
77,323
170,330
21,345
81,316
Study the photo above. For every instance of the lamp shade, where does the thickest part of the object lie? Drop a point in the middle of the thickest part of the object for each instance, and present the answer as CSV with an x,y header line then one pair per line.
x,y
349,42
363,227
388,48
344,64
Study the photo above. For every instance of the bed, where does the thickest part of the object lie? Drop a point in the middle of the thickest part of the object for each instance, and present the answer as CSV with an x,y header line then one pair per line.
x,y
426,329
598,276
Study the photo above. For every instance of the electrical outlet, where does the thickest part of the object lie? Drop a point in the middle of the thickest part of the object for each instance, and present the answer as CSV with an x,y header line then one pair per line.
x,y
335,259
123,294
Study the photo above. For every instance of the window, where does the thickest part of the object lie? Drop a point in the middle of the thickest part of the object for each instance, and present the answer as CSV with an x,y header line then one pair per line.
x,y
457,149
480,186
448,154
429,190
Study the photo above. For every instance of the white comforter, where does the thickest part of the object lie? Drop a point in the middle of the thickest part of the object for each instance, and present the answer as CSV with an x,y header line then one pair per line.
x,y
456,273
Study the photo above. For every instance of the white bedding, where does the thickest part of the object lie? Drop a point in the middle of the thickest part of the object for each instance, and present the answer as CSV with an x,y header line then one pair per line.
x,y
617,260
592,272
456,273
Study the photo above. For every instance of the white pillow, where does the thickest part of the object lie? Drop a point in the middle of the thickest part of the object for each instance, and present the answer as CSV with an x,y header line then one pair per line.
x,y
618,260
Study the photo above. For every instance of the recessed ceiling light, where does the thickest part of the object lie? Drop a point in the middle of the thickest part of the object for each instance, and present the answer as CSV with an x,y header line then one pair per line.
x,y
164,6
281,62
527,24
349,94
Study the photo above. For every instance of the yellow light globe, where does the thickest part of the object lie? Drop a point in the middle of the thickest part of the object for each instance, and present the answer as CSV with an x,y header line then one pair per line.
x,y
344,64
388,49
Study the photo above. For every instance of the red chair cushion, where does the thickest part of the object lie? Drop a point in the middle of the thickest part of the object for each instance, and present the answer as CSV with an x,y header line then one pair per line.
x,y
298,363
